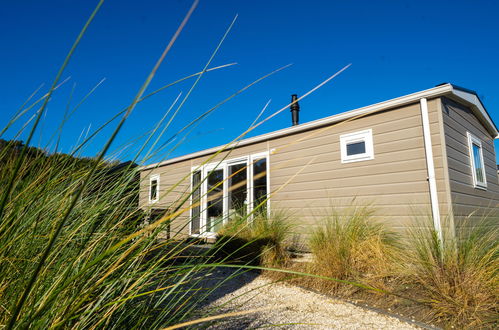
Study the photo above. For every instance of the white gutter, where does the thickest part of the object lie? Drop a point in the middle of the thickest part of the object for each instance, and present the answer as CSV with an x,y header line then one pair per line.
x,y
446,89
435,210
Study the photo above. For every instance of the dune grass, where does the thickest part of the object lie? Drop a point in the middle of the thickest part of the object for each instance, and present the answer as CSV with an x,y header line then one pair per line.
x,y
350,245
259,240
459,277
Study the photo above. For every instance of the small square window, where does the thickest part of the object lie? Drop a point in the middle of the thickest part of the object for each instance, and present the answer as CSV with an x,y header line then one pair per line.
x,y
476,162
357,146
154,189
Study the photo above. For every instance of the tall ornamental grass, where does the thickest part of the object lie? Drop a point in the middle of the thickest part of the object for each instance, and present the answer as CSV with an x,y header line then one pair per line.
x,y
259,240
350,245
458,278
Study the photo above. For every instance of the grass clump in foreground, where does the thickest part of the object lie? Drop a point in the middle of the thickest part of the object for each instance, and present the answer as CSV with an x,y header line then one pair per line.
x,y
261,241
457,278
351,246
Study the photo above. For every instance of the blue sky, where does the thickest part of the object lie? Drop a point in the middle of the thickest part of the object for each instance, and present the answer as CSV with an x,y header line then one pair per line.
x,y
395,47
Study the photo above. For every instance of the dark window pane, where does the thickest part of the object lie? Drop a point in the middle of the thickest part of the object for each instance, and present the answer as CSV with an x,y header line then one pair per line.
x,y
356,148
154,189
237,179
215,200
196,208
260,183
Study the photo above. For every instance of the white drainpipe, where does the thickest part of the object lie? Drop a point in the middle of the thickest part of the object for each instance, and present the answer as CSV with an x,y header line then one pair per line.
x,y
431,168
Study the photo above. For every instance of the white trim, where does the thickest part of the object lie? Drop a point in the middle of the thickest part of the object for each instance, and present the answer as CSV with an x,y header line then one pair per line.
x,y
442,90
253,158
151,179
435,210
365,136
475,101
232,162
474,140
194,170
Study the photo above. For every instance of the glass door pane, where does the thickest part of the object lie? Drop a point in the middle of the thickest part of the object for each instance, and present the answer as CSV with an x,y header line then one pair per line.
x,y
196,206
260,185
214,204
237,190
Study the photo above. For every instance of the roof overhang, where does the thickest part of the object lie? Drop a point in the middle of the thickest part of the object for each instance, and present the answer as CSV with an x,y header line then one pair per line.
x,y
461,95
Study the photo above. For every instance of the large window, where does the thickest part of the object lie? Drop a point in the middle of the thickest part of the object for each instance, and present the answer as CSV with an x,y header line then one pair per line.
x,y
154,188
357,146
476,162
227,190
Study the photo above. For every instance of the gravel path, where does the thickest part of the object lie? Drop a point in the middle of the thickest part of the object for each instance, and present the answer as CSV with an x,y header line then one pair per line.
x,y
289,307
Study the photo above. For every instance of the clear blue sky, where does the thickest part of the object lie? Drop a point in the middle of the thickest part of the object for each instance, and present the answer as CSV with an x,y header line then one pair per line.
x,y
395,47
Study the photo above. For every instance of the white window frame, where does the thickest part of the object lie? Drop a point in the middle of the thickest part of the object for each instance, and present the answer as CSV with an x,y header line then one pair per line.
x,y
365,136
194,170
151,179
471,141
223,165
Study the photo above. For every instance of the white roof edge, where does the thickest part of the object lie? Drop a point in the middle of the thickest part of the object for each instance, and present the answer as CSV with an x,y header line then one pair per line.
x,y
475,101
432,92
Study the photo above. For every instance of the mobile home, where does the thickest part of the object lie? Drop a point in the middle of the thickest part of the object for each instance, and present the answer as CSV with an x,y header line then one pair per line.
x,y
430,151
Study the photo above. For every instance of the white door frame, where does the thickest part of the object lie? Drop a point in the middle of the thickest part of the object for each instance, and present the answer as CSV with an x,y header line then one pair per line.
x,y
224,166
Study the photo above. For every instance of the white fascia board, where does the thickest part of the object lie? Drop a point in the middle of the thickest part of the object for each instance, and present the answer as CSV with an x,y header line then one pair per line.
x,y
393,103
474,101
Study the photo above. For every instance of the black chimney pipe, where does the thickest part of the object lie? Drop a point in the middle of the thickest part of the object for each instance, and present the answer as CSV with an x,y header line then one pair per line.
x,y
295,109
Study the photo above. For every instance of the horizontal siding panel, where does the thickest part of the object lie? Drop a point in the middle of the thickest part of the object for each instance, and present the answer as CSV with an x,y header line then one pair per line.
x,y
298,191
362,189
410,165
341,180
327,200
389,161
461,189
392,210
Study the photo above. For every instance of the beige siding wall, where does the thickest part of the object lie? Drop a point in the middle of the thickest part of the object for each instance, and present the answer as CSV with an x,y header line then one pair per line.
x,y
307,177
394,182
466,199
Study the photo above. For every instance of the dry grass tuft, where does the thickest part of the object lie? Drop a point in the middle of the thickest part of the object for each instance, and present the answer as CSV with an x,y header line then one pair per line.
x,y
262,241
458,278
351,246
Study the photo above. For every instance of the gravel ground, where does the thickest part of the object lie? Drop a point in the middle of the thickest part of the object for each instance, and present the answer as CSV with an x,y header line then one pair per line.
x,y
288,307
